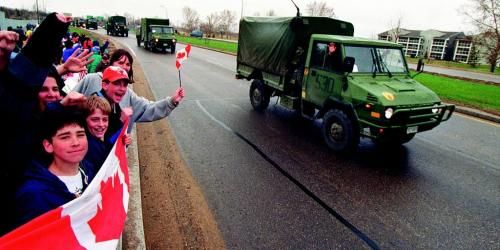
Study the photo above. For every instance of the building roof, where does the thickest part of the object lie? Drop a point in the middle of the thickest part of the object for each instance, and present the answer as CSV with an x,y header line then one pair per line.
x,y
418,33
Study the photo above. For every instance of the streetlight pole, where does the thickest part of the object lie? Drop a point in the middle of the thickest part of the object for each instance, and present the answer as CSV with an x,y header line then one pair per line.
x,y
241,14
37,14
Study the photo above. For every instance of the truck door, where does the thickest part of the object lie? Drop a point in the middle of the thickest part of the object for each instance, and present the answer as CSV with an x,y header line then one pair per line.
x,y
324,76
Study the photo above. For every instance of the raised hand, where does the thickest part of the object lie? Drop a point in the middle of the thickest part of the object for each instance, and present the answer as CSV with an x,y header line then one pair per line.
x,y
126,114
178,95
73,98
75,63
7,44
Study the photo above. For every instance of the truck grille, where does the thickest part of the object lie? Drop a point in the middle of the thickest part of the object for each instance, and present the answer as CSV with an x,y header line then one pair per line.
x,y
371,98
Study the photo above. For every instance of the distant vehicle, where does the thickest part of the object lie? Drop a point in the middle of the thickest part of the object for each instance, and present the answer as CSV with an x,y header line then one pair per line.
x,y
91,23
156,34
358,87
196,33
117,26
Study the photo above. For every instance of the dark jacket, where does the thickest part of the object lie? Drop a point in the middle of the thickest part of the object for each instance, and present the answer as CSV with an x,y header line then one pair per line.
x,y
42,191
98,151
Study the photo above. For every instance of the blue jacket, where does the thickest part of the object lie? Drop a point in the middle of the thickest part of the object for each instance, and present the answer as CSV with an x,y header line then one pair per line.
x,y
43,191
98,151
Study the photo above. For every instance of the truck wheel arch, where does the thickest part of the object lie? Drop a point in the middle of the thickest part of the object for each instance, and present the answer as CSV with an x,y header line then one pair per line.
x,y
333,103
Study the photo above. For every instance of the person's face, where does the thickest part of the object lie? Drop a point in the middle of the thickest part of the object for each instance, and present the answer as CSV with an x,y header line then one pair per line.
x,y
69,144
123,63
115,90
97,123
49,92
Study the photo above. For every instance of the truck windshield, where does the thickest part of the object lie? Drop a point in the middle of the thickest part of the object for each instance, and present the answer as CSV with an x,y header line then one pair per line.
x,y
390,60
161,29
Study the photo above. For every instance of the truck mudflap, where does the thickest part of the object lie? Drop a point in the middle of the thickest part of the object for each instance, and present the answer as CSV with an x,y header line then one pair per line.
x,y
413,120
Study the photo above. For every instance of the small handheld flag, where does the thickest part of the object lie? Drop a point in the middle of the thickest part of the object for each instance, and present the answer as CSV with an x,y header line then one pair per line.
x,y
182,55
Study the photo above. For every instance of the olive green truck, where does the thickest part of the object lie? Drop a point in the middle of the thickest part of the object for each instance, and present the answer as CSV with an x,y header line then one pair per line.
x,y
156,34
358,87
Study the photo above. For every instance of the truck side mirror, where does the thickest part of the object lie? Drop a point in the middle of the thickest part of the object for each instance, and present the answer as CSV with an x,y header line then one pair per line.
x,y
348,64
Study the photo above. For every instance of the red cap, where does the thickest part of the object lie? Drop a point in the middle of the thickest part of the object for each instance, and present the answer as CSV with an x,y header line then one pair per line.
x,y
113,73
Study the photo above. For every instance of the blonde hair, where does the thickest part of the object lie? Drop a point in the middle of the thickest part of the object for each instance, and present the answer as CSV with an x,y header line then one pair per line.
x,y
95,102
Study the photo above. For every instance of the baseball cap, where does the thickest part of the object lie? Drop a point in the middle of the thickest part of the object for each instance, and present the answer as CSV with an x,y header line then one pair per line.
x,y
113,73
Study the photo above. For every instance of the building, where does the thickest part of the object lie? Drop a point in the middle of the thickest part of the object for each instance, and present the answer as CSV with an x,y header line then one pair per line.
x,y
433,44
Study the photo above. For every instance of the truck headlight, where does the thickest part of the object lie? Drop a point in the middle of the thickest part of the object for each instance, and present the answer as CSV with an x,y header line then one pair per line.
x,y
388,113
156,40
435,110
173,40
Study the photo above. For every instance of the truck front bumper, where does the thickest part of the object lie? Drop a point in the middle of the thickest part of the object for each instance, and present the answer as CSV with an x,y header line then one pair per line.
x,y
408,121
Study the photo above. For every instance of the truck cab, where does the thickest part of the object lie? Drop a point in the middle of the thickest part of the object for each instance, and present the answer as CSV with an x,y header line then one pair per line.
x,y
117,26
363,87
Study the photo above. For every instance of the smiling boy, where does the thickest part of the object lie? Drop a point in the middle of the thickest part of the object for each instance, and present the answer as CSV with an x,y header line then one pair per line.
x,y
49,186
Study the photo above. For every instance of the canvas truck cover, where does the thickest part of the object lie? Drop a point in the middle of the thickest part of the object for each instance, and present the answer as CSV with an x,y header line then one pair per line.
x,y
270,43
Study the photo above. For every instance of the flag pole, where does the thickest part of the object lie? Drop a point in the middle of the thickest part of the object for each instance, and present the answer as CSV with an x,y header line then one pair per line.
x,y
180,81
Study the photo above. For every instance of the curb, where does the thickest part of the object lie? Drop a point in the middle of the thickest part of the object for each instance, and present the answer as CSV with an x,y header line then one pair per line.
x,y
477,113
133,234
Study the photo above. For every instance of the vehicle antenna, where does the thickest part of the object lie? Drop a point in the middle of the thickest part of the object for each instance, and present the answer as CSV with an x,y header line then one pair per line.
x,y
298,11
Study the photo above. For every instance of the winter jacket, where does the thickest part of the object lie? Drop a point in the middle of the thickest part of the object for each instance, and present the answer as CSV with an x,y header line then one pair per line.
x,y
93,65
98,151
144,110
68,52
42,191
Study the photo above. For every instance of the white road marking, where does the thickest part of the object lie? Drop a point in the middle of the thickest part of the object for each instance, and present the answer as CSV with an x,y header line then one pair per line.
x,y
212,117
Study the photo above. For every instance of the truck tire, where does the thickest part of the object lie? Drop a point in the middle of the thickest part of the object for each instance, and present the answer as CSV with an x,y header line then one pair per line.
x,y
259,96
338,132
172,49
126,34
138,43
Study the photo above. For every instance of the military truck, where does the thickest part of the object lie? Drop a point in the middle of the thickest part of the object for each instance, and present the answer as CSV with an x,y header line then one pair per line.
x,y
117,26
156,34
358,87
91,23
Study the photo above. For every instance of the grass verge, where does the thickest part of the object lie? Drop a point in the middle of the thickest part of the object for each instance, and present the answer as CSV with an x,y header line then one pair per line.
x,y
208,43
87,33
456,65
482,96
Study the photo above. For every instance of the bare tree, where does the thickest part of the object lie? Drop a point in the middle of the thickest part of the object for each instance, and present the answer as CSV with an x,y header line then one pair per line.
x,y
395,28
485,16
270,13
228,20
191,19
319,9
210,26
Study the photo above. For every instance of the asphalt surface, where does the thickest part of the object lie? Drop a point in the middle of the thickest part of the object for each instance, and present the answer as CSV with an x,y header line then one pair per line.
x,y
272,184
459,73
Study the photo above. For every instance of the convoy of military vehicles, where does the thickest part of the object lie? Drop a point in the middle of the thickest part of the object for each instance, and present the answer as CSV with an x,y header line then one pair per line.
x,y
358,87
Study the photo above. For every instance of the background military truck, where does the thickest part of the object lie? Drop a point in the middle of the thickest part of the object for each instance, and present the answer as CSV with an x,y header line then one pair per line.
x,y
91,23
156,34
117,26
359,87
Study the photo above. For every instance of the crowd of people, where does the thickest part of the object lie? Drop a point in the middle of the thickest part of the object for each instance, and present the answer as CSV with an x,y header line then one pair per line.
x,y
64,100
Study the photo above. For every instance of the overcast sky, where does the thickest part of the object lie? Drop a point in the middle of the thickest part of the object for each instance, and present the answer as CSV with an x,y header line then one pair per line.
x,y
369,17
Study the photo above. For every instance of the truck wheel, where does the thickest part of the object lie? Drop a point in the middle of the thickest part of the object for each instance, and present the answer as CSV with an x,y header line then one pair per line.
x,y
126,34
172,49
338,132
259,96
393,140
138,43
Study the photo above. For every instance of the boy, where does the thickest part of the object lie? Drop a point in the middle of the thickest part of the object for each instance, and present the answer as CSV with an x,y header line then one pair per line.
x,y
97,117
49,186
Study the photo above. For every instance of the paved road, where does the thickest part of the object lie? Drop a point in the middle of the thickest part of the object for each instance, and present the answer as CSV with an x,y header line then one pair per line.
x,y
272,184
459,73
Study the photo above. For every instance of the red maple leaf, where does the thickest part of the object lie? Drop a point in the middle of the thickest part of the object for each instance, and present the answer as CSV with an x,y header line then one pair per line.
x,y
109,220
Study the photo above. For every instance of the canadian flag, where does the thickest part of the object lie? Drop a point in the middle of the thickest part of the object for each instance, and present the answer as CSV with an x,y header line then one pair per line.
x,y
182,55
95,220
